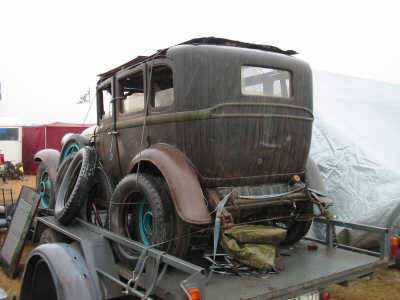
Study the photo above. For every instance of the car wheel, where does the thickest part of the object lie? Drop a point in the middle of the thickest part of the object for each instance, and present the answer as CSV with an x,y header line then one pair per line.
x,y
95,208
74,144
75,185
140,212
45,187
296,230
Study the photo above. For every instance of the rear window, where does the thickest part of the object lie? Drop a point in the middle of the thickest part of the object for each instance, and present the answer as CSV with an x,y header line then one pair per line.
x,y
260,81
8,134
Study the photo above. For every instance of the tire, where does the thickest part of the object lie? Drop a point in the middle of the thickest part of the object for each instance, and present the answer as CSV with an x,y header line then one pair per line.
x,y
178,247
75,185
51,236
149,220
99,196
62,170
45,186
296,230
74,144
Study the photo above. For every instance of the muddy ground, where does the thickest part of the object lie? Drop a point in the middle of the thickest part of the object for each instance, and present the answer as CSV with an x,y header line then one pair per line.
x,y
383,285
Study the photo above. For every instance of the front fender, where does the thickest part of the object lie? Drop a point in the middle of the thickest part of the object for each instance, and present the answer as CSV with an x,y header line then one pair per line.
x,y
182,181
67,269
50,158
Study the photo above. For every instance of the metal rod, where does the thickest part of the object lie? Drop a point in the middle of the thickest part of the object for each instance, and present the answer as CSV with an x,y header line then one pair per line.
x,y
175,262
355,249
329,235
255,203
122,284
360,250
352,225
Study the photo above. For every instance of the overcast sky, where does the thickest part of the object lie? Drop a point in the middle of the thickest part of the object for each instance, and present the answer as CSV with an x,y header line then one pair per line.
x,y
51,51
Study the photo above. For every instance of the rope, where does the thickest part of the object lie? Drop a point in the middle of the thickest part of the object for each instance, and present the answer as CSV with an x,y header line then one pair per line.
x,y
146,108
212,227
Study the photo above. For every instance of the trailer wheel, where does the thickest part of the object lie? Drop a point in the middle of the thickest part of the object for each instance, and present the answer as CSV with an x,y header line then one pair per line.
x,y
51,236
74,144
75,185
139,211
45,186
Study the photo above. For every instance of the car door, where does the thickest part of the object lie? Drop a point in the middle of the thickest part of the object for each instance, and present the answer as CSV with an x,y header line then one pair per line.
x,y
131,109
106,135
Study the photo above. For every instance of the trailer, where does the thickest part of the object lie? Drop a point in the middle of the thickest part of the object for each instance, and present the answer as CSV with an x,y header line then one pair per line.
x,y
86,268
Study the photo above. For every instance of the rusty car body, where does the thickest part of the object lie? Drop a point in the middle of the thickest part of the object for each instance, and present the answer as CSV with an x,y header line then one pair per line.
x,y
200,121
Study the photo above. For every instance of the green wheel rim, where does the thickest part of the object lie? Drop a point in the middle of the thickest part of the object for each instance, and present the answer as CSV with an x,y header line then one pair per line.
x,y
45,189
145,222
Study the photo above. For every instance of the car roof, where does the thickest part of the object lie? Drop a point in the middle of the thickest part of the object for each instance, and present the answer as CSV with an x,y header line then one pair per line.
x,y
197,41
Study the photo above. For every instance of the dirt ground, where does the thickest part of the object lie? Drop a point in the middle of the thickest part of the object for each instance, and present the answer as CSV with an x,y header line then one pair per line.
x,y
383,285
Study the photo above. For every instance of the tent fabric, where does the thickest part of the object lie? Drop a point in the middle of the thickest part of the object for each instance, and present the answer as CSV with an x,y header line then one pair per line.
x,y
36,138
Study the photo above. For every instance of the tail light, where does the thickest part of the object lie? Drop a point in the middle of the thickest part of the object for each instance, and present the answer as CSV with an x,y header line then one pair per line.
x,y
394,247
194,294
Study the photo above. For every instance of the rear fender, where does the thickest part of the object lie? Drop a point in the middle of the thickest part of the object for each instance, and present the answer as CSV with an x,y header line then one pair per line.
x,y
182,181
65,267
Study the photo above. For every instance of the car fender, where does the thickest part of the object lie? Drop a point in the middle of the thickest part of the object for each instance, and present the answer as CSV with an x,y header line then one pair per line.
x,y
68,271
182,180
50,158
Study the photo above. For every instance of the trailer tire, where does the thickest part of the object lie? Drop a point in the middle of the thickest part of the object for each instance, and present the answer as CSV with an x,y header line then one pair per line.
x,y
51,236
75,185
148,220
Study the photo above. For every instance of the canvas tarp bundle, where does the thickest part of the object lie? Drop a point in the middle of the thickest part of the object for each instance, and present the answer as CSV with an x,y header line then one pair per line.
x,y
355,145
253,245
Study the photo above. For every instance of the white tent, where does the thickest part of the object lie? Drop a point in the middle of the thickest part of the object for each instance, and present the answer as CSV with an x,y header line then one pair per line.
x,y
11,139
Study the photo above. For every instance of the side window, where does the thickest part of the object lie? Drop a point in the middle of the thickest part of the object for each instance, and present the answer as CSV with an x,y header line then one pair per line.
x,y
162,90
132,93
105,102
8,134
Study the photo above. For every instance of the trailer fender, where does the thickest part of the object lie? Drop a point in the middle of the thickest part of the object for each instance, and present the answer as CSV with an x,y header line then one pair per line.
x,y
183,183
57,271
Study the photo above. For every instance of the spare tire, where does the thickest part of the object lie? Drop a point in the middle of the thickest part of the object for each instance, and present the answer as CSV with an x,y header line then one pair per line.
x,y
61,171
75,185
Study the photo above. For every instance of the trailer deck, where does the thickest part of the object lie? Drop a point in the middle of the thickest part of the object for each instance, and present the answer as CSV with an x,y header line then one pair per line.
x,y
303,271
